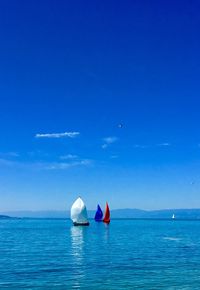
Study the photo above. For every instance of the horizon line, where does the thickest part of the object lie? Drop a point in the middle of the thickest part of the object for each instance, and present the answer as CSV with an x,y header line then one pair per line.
x,y
126,208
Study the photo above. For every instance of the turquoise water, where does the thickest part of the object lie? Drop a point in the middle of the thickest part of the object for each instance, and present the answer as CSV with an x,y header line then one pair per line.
x,y
127,254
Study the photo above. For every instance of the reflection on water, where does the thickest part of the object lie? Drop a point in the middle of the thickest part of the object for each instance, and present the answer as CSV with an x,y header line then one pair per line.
x,y
106,232
77,242
77,252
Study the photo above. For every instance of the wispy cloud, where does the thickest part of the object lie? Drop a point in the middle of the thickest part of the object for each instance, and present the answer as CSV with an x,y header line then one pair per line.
x,y
58,135
108,141
114,156
44,165
9,154
68,157
104,146
164,144
67,165
142,146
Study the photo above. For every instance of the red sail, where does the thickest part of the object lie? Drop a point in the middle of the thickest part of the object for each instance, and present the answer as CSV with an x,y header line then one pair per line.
x,y
107,214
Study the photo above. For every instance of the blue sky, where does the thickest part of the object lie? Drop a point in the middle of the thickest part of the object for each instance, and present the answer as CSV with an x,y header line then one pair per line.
x,y
70,73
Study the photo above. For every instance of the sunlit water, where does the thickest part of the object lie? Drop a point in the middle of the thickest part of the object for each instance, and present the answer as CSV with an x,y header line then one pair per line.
x,y
127,254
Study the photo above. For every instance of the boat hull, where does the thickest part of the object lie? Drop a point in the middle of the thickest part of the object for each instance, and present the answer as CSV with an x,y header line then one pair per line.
x,y
81,224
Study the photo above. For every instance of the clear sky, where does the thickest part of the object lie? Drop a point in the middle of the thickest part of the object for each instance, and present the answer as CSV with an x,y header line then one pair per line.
x,y
99,99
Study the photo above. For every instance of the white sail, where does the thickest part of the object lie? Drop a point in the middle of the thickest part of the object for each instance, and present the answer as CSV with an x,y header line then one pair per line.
x,y
173,216
79,213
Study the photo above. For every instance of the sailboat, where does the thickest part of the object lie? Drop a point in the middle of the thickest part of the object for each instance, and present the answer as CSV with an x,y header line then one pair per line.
x,y
173,216
79,213
99,214
106,218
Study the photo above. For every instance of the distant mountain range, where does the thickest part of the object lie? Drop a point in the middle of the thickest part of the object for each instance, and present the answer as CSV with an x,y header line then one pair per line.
x,y
4,217
117,213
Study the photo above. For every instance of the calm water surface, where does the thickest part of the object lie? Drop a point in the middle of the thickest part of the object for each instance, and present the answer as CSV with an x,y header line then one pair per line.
x,y
127,254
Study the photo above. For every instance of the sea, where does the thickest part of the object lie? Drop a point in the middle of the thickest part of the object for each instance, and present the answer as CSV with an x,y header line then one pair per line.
x,y
126,254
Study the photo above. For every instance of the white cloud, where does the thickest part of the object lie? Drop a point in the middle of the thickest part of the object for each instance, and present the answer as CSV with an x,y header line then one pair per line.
x,y
140,146
164,144
108,141
44,165
68,156
67,165
58,135
114,156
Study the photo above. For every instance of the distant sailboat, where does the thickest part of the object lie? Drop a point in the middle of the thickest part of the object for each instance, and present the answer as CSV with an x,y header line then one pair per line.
x,y
99,214
173,216
106,218
79,213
